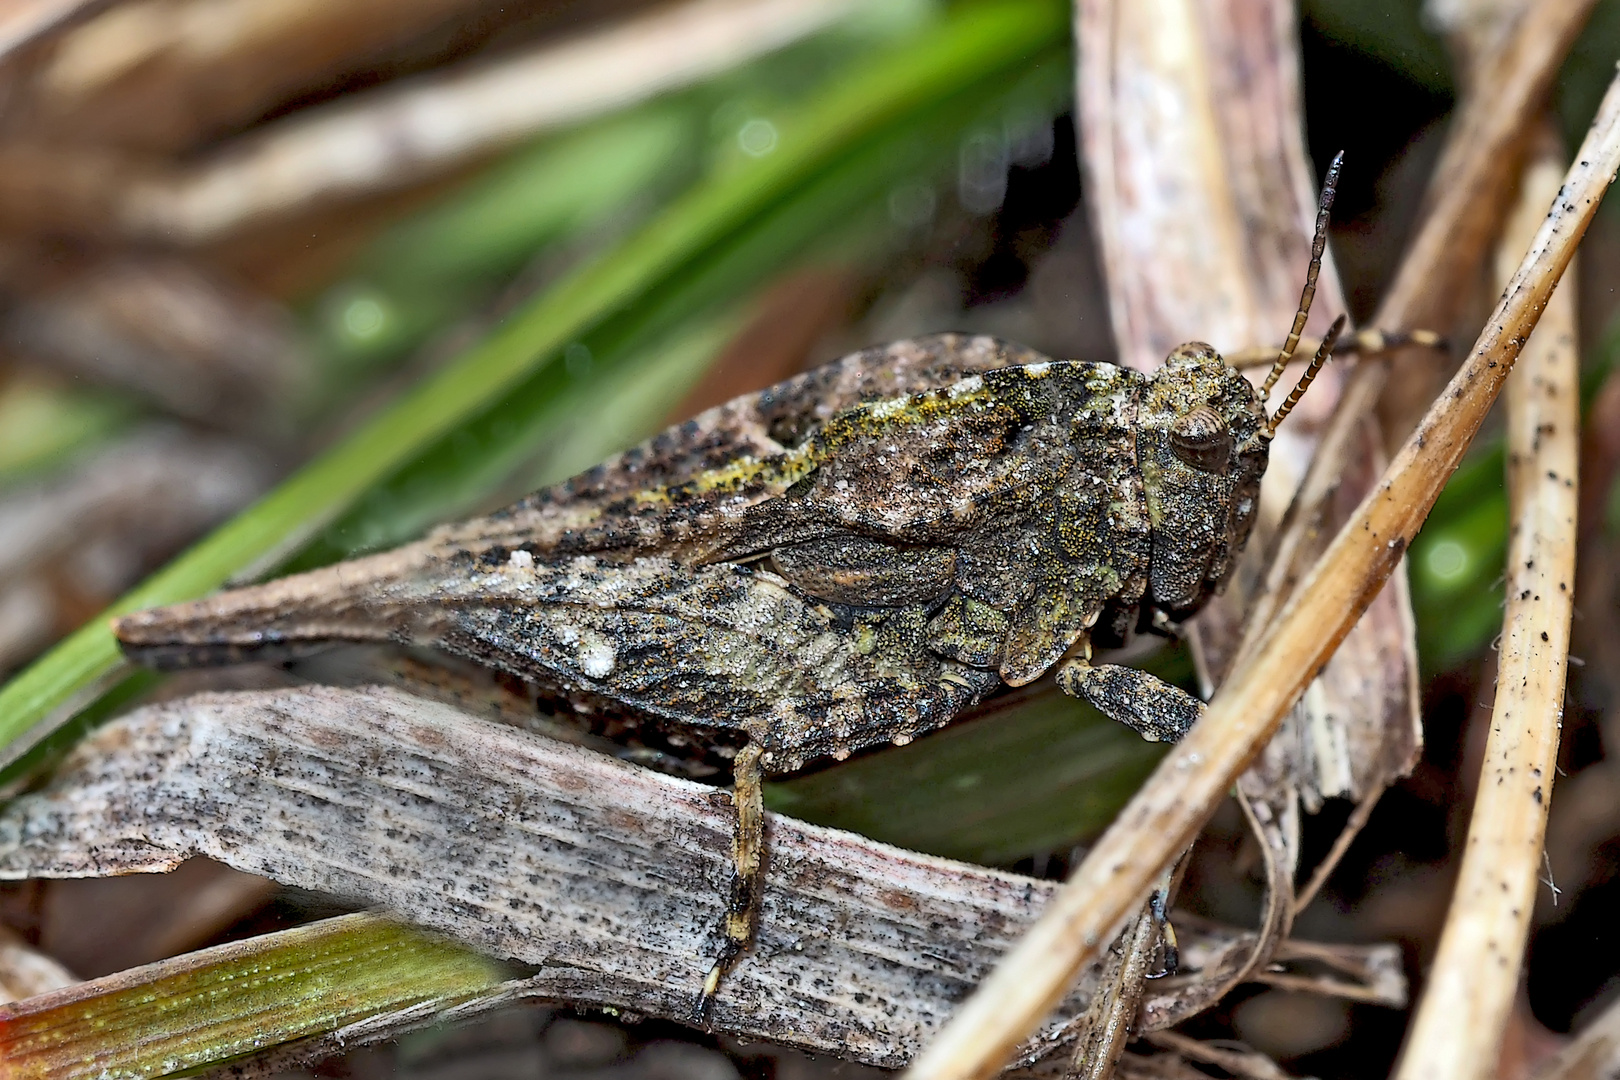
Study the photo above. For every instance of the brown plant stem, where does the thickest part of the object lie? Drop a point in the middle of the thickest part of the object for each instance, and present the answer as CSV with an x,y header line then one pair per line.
x,y
1460,1019
1167,812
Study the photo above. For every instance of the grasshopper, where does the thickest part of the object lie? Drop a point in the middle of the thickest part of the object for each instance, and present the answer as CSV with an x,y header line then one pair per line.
x,y
847,559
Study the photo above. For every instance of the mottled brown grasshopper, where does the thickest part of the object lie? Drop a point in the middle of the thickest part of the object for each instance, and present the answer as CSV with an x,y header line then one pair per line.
x,y
848,559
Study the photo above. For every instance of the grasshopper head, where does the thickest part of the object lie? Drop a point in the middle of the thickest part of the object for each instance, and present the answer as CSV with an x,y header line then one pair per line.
x,y
1202,448
1203,445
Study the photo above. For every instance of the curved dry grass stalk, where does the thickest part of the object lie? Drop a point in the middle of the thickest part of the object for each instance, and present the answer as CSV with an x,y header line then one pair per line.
x,y
1459,1022
1167,812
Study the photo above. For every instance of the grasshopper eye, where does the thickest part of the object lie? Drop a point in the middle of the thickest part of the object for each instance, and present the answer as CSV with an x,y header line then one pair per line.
x,y
1201,440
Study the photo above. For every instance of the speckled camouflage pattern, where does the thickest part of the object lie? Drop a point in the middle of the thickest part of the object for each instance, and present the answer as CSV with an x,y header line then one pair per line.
x,y
841,560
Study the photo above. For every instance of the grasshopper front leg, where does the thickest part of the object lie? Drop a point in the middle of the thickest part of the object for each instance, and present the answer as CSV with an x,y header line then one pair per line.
x,y
747,857
1144,703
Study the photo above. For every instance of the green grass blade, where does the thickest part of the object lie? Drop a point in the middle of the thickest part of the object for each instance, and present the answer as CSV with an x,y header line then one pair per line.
x,y
208,1007
971,45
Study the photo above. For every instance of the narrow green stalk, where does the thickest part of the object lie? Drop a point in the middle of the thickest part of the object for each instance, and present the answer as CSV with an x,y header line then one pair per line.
x,y
208,1007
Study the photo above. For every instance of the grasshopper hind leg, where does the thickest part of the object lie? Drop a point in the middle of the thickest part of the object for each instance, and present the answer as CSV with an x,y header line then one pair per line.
x,y
748,857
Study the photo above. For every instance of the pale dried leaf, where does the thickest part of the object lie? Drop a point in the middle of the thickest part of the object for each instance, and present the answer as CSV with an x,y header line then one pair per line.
x,y
609,876
164,74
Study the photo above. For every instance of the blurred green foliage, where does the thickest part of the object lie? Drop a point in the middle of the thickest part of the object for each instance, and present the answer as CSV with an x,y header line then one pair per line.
x,y
41,423
1455,563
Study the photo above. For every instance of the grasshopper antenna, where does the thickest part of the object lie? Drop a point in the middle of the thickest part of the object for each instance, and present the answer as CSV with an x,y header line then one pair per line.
x,y
1330,188
1306,379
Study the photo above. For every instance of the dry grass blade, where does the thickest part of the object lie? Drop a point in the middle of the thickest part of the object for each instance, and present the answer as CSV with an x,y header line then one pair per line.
x,y
1196,173
401,135
166,75
1457,1031
1169,809
1469,190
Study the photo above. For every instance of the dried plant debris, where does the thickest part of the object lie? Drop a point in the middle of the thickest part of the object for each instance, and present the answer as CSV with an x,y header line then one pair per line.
x,y
72,540
530,850
603,874
390,137
174,335
165,75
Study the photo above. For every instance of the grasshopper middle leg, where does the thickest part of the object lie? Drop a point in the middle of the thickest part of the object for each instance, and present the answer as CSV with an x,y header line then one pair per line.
x,y
1144,703
748,857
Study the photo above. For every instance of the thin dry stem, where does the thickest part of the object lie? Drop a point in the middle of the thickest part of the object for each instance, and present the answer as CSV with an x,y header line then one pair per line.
x,y
1166,814
1460,1020
1468,190
401,135
164,75
1244,1063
